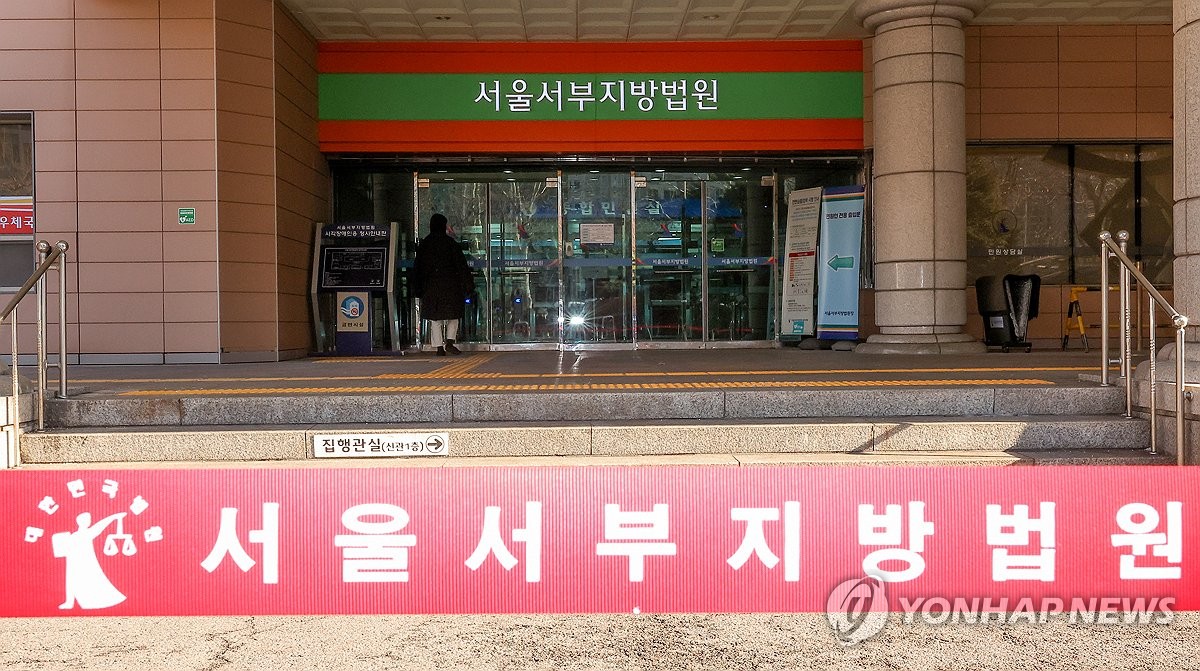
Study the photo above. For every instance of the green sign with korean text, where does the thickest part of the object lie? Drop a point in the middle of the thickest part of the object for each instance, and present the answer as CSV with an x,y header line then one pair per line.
x,y
607,96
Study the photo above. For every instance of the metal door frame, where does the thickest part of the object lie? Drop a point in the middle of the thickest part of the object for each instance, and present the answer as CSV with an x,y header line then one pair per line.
x,y
704,342
488,345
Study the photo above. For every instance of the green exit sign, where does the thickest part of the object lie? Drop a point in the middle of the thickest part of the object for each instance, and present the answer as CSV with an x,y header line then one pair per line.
x,y
187,215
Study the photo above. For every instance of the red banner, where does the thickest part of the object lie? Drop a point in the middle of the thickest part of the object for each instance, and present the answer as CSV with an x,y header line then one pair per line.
x,y
589,539
16,215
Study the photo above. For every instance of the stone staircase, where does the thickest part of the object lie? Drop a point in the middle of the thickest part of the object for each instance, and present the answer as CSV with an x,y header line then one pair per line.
x,y
880,425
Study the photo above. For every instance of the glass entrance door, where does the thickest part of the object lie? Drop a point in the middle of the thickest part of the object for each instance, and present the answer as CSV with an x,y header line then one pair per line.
x,y
508,225
668,256
596,258
739,262
704,256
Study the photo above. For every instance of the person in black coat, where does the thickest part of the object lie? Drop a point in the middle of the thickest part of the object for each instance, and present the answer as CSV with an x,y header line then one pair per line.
x,y
442,280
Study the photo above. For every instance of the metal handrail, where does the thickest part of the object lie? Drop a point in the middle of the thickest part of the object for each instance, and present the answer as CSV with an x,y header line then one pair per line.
x,y
1117,250
50,258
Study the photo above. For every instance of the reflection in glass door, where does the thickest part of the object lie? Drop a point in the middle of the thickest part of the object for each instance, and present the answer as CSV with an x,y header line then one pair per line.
x,y
596,258
508,226
523,254
739,262
668,257
704,256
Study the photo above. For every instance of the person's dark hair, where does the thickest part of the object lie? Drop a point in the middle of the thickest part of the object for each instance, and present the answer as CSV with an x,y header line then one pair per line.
x,y
437,223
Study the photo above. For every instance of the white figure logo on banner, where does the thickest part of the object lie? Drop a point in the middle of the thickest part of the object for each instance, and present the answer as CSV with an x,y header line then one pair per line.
x,y
86,584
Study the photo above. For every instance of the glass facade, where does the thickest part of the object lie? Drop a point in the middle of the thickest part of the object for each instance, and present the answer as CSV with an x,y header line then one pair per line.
x,y
17,255
1039,209
579,256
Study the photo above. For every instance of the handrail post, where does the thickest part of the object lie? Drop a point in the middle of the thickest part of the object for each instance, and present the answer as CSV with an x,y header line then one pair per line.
x,y
1123,242
48,258
1181,322
1180,328
13,457
43,249
1153,386
62,318
1104,309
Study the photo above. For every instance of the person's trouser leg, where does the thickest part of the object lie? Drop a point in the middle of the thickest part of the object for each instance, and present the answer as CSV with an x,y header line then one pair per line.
x,y
451,334
437,329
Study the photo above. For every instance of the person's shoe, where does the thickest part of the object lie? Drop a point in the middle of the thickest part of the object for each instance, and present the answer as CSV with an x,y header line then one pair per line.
x,y
451,348
441,351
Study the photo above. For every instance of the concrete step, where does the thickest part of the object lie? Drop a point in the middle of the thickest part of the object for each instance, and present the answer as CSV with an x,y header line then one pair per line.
x,y
582,406
623,439
1091,457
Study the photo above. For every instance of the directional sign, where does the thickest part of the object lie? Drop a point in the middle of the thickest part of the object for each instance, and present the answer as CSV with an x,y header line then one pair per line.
x,y
840,262
840,245
187,215
381,444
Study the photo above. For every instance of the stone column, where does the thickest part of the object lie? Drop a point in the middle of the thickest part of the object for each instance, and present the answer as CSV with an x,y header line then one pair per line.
x,y
919,185
1186,299
1187,162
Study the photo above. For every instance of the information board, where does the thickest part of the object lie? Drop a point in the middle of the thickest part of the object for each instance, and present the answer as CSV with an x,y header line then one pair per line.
x,y
353,267
800,249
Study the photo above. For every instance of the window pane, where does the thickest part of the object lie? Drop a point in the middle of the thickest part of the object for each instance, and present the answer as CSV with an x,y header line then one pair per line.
x,y
16,199
1156,231
1018,212
1104,201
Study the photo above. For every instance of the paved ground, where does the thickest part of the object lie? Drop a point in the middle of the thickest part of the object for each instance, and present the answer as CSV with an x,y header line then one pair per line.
x,y
585,371
609,642
644,642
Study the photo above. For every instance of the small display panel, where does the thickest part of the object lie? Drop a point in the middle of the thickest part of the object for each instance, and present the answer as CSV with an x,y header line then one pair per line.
x,y
353,267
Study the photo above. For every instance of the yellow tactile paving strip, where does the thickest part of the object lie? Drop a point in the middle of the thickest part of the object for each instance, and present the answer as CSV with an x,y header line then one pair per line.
x,y
463,372
716,373
633,386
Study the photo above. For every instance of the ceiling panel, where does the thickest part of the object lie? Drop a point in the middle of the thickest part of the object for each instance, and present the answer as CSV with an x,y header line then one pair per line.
x,y
652,20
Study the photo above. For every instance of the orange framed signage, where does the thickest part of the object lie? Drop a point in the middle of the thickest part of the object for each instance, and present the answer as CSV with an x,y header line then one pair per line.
x,y
572,98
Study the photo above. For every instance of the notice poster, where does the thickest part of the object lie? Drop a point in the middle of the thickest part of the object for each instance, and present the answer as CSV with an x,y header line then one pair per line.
x,y
840,262
800,253
600,234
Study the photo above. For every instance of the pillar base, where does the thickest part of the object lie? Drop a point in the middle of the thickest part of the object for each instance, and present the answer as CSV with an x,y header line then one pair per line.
x,y
1165,397
947,343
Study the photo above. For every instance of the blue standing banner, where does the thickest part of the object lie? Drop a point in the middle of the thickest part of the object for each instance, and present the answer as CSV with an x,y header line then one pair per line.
x,y
839,262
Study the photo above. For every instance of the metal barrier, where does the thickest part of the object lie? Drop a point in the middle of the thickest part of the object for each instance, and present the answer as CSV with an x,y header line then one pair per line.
x,y
1129,272
49,258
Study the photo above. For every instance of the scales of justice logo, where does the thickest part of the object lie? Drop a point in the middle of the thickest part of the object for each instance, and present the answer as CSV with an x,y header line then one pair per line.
x,y
86,585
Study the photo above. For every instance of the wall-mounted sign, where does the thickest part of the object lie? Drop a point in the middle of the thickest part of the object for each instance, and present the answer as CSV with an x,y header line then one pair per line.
x,y
657,96
381,444
187,215
16,215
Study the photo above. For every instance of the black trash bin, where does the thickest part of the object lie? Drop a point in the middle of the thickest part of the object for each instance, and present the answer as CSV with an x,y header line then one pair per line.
x,y
1006,306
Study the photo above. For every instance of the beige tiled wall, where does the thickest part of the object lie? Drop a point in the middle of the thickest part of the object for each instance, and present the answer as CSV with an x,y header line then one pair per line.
x,y
146,106
245,179
1069,83
302,179
1062,83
